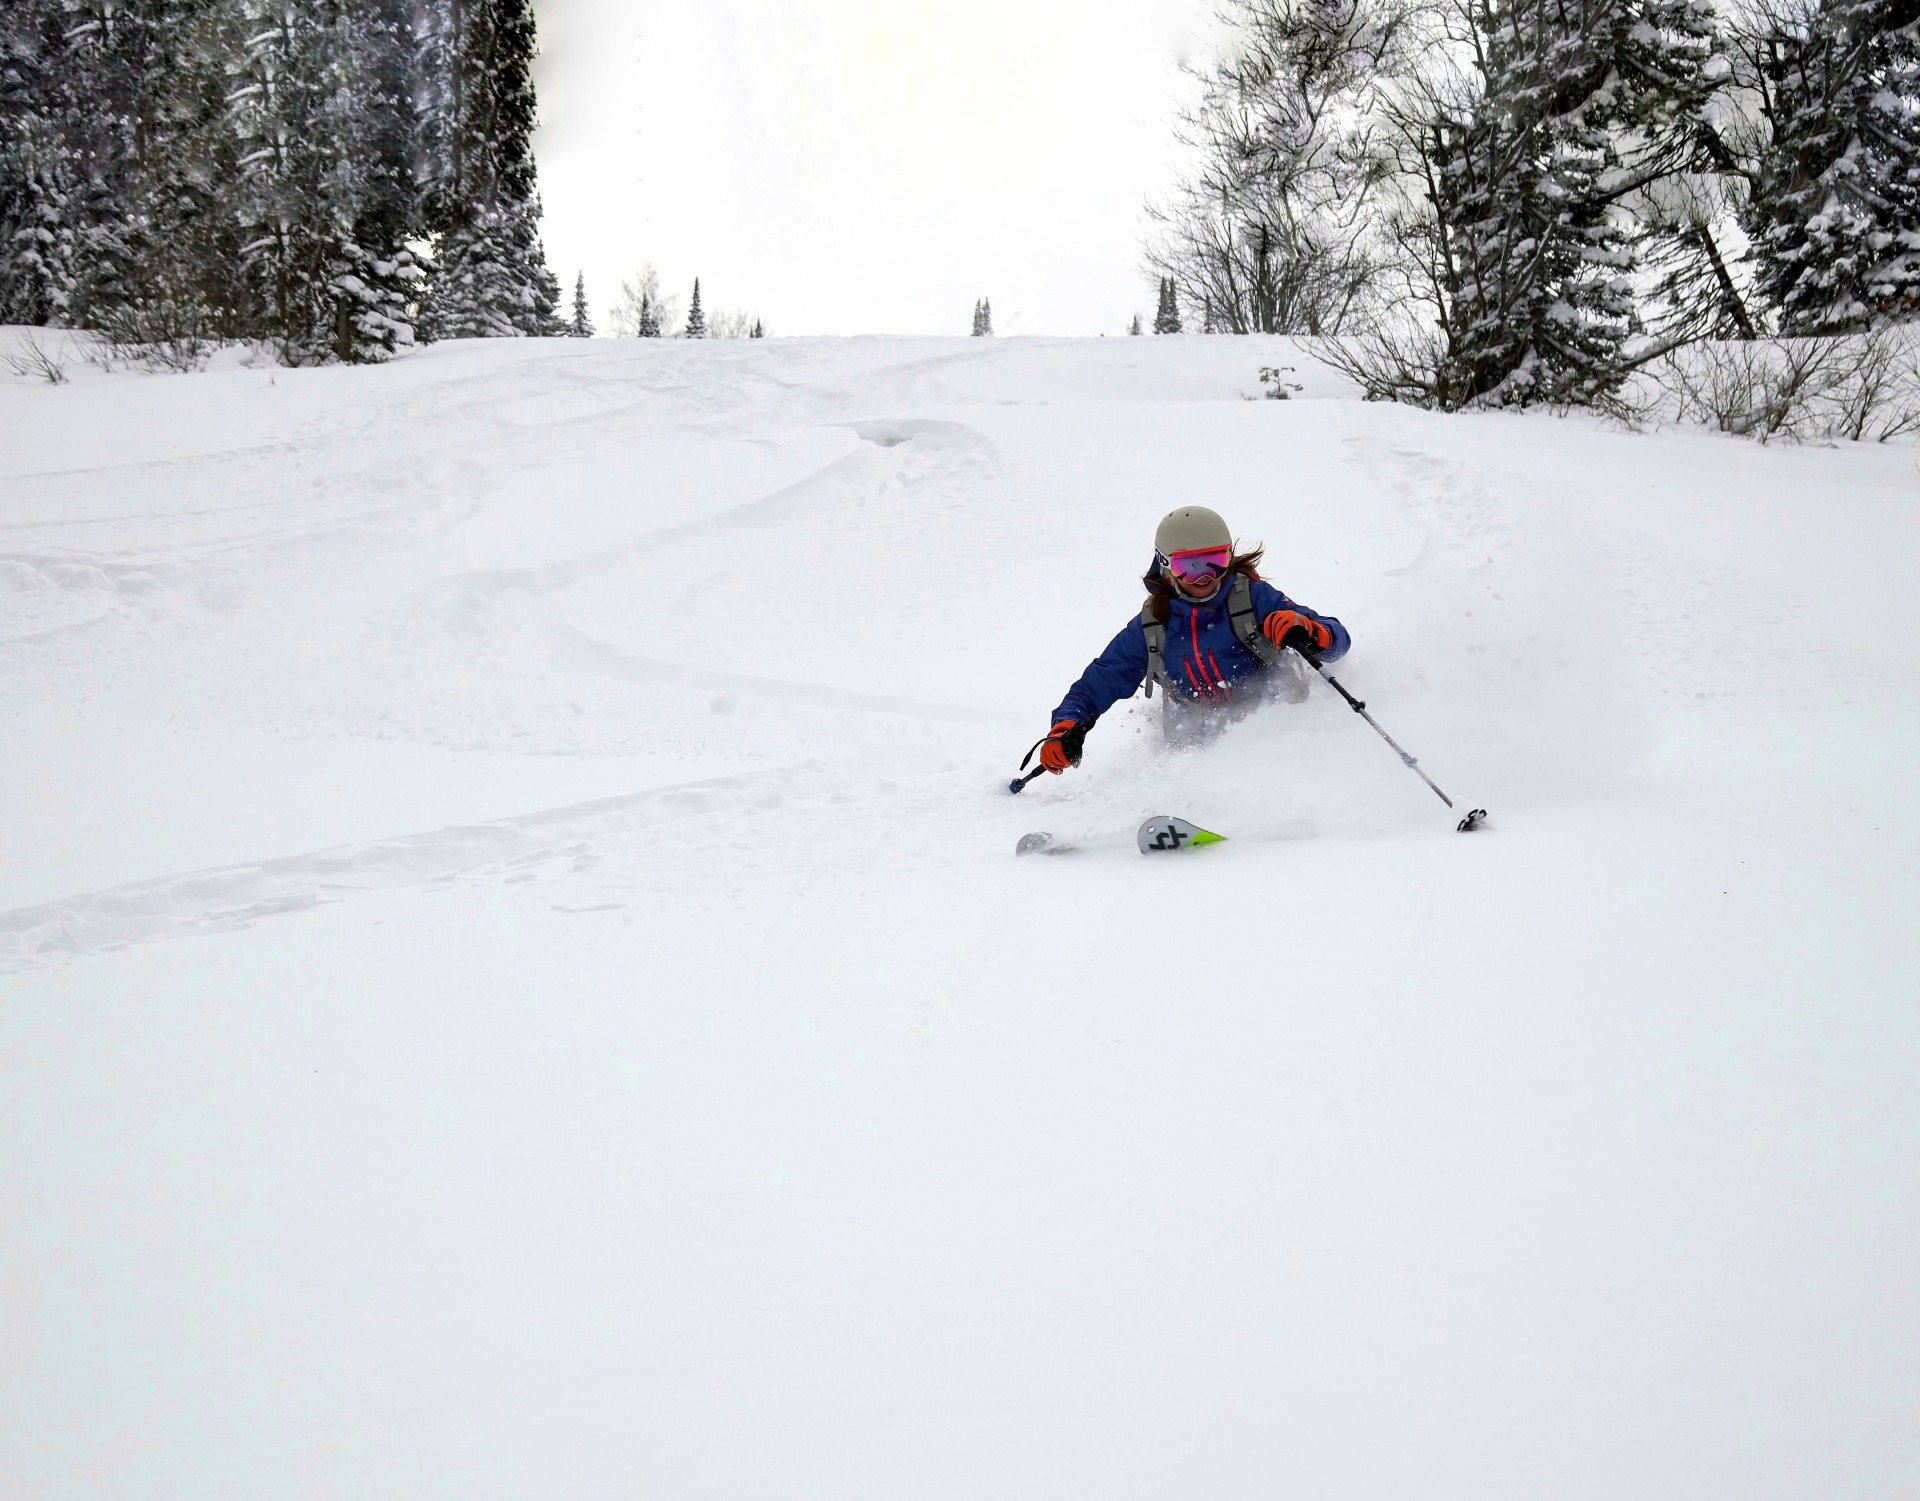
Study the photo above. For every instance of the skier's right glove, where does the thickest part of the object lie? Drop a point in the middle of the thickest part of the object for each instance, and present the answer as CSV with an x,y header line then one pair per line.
x,y
1291,628
1061,748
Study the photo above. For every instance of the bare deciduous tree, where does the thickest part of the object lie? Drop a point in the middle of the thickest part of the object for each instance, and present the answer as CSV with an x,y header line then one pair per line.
x,y
1271,231
641,311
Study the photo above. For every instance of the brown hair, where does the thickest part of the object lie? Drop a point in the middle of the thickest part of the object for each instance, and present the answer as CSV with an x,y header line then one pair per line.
x,y
1160,588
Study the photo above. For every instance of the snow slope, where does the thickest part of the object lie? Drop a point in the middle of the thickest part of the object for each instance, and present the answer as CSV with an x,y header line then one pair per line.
x,y
514,980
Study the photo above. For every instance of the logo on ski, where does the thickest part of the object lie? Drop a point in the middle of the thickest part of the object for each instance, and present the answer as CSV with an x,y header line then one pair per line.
x,y
1165,832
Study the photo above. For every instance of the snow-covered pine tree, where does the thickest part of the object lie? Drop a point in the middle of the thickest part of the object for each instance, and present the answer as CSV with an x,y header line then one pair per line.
x,y
77,80
489,276
759,330
696,318
185,267
1166,317
1569,106
280,95
1834,211
1134,327
174,171
320,102
115,165
375,280
983,319
649,317
40,226
580,326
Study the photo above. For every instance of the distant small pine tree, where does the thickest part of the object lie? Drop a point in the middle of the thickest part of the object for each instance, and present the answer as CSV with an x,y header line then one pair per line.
x,y
1166,318
983,319
759,330
649,317
1134,327
696,319
581,324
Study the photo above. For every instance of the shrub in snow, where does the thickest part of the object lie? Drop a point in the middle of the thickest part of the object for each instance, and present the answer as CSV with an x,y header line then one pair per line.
x,y
1854,388
1274,378
37,358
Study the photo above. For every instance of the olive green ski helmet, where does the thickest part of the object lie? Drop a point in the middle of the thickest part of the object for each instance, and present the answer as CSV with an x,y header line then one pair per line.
x,y
1189,529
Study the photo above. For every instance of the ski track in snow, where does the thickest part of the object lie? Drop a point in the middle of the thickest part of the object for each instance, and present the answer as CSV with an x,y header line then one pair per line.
x,y
209,901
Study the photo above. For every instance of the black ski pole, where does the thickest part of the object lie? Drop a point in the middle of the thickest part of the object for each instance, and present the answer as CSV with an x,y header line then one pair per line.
x,y
1467,825
1018,782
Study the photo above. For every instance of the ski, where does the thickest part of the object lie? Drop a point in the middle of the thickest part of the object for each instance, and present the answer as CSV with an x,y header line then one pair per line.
x,y
1160,833
1165,832
1042,844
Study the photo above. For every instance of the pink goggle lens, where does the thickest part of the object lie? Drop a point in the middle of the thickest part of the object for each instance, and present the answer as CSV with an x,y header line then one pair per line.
x,y
1202,562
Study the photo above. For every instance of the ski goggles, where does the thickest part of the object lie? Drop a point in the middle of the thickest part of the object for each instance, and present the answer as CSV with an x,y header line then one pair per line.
x,y
1198,563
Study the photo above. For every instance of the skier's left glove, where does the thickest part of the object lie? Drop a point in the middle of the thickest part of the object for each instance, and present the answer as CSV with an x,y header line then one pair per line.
x,y
1061,748
1290,628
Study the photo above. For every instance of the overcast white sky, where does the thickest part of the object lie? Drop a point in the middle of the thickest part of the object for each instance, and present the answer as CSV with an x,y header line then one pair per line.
x,y
863,166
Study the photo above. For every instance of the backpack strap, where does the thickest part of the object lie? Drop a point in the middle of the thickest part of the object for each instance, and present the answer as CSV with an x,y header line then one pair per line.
x,y
1156,633
1241,618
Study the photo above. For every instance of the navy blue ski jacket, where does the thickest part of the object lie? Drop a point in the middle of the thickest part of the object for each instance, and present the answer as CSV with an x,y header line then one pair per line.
x,y
1204,656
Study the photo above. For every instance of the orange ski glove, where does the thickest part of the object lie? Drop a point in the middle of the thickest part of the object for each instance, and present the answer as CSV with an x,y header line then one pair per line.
x,y
1291,628
1061,748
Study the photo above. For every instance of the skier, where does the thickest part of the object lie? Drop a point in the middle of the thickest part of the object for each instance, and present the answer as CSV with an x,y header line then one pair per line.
x,y
1210,634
